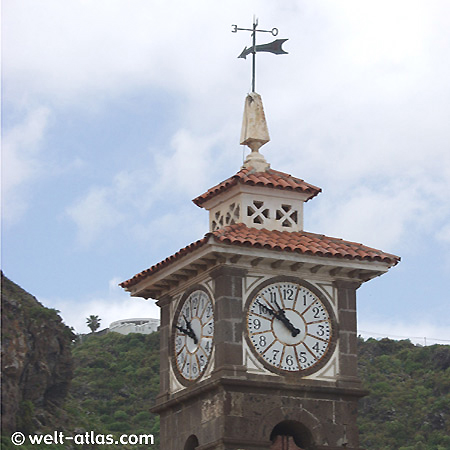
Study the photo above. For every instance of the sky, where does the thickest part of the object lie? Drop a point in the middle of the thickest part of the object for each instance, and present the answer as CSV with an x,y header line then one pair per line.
x,y
115,114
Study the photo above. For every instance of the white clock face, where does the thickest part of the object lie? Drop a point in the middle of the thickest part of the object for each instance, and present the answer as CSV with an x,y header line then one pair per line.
x,y
289,327
193,335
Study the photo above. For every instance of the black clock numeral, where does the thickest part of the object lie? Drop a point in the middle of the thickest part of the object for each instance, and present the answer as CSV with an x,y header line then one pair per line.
x,y
275,354
288,294
256,324
316,311
262,309
302,357
321,331
262,341
316,347
289,360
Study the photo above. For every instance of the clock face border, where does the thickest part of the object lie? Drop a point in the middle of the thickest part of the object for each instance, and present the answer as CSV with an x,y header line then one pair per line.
x,y
183,380
334,329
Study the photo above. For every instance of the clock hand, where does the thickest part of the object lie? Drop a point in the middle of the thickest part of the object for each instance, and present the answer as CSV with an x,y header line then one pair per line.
x,y
282,316
183,330
190,331
267,308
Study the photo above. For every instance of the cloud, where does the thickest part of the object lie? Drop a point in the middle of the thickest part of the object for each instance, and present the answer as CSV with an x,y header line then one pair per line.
x,y
386,216
356,106
421,332
94,214
112,304
106,47
21,163
164,184
361,112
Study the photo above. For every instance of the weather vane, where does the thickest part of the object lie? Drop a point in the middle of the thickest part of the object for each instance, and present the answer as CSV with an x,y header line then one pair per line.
x,y
271,47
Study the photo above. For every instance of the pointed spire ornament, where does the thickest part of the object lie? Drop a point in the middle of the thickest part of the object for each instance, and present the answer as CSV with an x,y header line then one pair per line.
x,y
254,133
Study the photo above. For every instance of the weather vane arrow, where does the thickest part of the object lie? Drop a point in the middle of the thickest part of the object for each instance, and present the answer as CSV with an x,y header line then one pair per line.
x,y
272,47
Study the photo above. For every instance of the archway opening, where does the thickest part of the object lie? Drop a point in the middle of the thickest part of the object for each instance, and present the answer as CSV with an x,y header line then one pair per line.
x,y
191,443
291,435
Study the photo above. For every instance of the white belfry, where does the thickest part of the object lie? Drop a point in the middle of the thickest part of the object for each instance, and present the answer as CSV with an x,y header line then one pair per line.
x,y
254,132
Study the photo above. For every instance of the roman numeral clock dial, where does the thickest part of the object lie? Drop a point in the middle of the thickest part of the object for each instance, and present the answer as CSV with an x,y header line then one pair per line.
x,y
193,334
290,327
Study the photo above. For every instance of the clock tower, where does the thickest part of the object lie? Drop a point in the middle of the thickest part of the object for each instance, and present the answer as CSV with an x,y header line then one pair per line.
x,y
258,318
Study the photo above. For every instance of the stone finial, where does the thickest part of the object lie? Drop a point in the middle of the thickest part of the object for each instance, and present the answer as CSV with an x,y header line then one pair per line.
x,y
254,132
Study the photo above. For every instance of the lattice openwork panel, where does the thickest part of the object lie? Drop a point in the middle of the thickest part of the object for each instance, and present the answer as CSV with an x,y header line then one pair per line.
x,y
287,216
258,212
228,215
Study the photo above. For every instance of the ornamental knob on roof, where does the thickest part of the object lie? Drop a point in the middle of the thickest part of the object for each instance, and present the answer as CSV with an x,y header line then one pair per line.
x,y
254,132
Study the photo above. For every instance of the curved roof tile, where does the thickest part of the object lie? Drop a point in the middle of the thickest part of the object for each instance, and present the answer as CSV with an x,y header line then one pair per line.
x,y
288,241
270,178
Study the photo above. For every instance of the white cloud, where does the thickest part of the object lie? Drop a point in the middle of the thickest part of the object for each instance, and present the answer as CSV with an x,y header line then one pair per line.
x,y
421,332
111,305
164,187
444,233
350,104
382,218
107,47
21,163
94,214
359,106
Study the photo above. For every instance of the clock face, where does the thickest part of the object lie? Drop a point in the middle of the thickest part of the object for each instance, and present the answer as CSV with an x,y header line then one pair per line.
x,y
289,327
193,335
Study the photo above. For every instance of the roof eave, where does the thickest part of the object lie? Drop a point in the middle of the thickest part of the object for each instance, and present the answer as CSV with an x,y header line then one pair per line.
x,y
213,253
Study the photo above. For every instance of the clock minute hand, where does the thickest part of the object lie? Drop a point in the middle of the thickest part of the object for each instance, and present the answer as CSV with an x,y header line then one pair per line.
x,y
281,315
190,331
267,308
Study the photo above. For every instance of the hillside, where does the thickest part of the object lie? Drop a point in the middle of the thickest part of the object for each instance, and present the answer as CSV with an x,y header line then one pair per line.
x,y
409,403
37,366
116,380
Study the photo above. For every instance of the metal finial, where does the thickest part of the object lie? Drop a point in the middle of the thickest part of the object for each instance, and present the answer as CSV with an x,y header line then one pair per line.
x,y
272,47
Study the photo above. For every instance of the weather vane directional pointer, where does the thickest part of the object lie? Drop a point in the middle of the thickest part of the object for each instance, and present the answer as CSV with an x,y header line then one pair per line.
x,y
271,47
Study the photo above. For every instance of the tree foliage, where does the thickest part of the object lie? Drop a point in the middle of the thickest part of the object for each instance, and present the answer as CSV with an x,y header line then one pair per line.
x,y
93,322
116,382
408,407
117,379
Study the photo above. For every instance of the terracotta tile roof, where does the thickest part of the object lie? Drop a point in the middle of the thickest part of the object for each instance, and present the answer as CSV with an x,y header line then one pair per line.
x,y
269,178
300,242
166,262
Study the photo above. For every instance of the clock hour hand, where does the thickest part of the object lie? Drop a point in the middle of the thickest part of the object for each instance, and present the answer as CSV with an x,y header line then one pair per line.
x,y
281,315
189,330
183,330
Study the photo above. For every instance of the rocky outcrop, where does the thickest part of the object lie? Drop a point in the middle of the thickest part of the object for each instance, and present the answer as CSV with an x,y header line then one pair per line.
x,y
37,365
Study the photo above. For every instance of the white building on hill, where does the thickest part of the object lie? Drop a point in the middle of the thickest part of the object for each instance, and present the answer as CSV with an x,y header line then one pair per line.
x,y
126,326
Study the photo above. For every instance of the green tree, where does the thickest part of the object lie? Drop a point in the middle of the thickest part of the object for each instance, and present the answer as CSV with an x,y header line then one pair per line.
x,y
93,322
